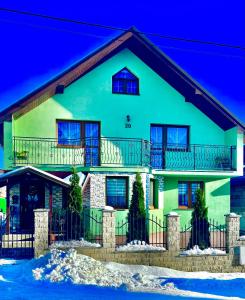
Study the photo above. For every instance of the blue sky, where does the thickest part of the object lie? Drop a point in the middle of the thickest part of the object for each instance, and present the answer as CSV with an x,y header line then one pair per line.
x,y
34,50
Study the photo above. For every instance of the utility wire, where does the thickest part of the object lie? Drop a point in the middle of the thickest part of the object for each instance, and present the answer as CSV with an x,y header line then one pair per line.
x,y
104,37
67,20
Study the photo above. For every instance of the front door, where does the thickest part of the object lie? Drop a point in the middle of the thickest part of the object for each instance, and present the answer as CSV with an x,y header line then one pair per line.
x,y
32,197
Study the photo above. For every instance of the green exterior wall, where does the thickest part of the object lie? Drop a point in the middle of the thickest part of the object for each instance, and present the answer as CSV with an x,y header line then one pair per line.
x,y
217,196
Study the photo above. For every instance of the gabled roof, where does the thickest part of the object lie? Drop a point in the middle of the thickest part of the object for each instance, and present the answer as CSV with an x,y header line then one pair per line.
x,y
153,57
29,169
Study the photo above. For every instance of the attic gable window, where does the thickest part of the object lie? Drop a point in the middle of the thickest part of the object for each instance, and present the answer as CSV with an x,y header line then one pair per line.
x,y
125,82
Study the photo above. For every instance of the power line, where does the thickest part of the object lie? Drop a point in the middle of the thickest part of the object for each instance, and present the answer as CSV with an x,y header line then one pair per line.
x,y
67,20
104,37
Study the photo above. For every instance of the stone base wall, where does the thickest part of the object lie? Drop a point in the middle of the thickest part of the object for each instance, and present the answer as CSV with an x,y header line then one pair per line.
x,y
94,193
224,263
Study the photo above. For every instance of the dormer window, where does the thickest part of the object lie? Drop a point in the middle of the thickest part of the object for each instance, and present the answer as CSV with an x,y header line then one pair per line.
x,y
125,82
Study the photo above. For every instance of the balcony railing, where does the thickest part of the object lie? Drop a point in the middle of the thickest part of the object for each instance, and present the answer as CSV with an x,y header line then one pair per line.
x,y
122,152
193,157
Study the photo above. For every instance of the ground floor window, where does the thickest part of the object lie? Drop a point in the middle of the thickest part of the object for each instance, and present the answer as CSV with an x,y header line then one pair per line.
x,y
186,193
153,194
117,192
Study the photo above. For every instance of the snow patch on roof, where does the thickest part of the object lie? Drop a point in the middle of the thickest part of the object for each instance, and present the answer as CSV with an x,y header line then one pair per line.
x,y
81,178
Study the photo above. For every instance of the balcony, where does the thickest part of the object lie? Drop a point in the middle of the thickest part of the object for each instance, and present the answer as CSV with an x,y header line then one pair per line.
x,y
122,152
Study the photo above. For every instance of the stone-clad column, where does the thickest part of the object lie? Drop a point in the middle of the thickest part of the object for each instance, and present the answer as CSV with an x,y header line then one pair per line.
x,y
232,231
173,231
41,231
109,230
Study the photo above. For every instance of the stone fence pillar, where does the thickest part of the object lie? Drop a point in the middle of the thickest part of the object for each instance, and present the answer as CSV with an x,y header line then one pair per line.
x,y
109,228
232,231
173,231
41,231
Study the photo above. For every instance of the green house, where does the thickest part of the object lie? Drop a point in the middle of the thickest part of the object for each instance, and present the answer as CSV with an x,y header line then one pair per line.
x,y
126,108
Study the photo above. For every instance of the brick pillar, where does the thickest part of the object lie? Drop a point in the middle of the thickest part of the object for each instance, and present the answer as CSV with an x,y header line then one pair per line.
x,y
232,231
109,230
40,231
173,231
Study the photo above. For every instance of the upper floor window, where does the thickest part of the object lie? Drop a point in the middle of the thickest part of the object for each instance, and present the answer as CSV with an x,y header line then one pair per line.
x,y
77,133
171,136
69,133
124,82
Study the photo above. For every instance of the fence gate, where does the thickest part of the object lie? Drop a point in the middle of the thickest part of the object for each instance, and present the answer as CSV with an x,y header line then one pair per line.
x,y
15,243
152,230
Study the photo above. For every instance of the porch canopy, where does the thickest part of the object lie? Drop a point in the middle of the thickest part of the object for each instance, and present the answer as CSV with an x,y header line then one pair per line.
x,y
29,170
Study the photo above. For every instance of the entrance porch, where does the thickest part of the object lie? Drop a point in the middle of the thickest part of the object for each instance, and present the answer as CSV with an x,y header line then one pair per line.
x,y
29,188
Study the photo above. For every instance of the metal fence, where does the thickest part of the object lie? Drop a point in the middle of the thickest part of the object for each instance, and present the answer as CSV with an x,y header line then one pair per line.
x,y
152,230
65,225
15,245
215,231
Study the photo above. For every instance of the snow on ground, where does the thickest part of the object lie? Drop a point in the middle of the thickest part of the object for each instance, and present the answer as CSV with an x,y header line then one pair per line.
x,y
74,244
197,251
171,273
67,268
7,261
70,267
138,246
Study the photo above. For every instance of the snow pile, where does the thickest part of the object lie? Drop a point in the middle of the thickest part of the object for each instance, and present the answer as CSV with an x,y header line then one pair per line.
x,y
108,208
74,244
173,214
139,246
197,251
80,269
232,214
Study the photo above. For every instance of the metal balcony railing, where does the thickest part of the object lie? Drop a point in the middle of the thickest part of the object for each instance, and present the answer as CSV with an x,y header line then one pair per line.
x,y
193,157
122,152
85,152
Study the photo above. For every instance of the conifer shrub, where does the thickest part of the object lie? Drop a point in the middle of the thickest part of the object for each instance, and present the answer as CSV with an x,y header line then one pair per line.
x,y
200,226
137,225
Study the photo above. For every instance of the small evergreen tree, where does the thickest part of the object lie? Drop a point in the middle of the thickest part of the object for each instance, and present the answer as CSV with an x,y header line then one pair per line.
x,y
75,193
74,207
137,227
200,226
